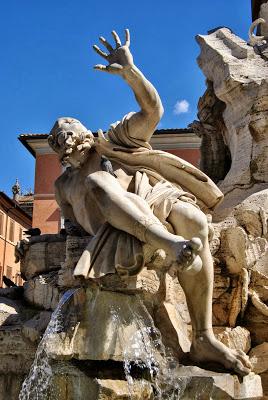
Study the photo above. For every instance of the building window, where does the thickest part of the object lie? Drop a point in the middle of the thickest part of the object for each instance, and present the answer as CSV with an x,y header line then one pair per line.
x,y
9,272
1,223
20,234
11,230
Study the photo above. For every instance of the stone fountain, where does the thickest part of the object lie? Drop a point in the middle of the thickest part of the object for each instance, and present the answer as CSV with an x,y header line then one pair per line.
x,y
105,294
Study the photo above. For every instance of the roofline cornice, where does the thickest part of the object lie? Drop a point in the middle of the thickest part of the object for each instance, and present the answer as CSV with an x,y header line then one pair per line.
x,y
161,139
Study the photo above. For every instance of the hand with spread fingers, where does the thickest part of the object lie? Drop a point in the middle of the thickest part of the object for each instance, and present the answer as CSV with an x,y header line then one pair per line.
x,y
119,58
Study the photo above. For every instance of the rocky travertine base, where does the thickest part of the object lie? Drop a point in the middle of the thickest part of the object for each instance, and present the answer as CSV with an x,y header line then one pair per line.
x,y
103,325
16,355
10,385
198,383
238,77
111,320
70,382
233,123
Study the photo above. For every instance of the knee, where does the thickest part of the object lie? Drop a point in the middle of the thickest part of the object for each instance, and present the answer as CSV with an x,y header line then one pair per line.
x,y
199,225
195,224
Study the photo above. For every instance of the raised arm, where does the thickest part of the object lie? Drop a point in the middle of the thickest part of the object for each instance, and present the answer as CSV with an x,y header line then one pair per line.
x,y
142,124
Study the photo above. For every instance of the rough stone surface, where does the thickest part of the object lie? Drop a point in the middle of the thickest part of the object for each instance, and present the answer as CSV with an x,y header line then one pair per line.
x,y
34,328
10,385
252,213
235,338
41,258
239,80
264,380
259,358
259,282
239,251
70,383
75,246
213,385
42,291
16,352
256,323
9,312
119,319
174,329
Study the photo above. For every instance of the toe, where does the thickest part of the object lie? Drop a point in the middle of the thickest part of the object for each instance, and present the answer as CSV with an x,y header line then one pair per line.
x,y
244,359
233,362
240,369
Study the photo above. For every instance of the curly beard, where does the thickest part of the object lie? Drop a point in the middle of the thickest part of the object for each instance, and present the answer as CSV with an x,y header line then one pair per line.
x,y
81,145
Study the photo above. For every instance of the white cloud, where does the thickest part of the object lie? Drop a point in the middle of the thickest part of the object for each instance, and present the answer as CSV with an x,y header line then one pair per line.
x,y
181,106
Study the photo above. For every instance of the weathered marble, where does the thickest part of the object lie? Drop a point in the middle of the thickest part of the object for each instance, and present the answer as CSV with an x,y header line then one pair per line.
x,y
259,358
34,328
71,383
235,338
118,318
239,78
42,257
42,291
217,386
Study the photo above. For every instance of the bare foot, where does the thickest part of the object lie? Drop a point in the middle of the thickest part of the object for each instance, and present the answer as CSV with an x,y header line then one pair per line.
x,y
206,348
186,254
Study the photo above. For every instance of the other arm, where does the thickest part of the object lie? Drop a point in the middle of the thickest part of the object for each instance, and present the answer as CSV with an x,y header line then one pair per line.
x,y
142,124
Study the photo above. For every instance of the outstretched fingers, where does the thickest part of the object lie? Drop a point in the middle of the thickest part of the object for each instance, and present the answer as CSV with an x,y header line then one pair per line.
x,y
116,39
106,44
100,52
100,67
113,68
127,35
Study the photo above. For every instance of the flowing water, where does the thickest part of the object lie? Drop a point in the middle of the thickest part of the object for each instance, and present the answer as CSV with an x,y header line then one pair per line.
x,y
145,351
36,384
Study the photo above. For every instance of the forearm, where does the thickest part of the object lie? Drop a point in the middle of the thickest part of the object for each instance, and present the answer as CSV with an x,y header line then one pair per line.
x,y
145,93
140,125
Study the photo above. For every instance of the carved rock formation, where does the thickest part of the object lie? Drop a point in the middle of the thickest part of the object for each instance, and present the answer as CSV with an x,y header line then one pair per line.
x,y
233,114
238,78
113,323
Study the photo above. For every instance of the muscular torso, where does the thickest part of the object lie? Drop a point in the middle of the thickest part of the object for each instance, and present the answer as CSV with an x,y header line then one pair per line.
x,y
76,201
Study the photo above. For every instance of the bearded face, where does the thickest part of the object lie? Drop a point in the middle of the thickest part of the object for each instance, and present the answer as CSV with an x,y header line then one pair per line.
x,y
71,140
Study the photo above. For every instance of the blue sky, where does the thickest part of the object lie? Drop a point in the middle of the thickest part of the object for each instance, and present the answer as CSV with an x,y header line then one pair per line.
x,y
47,59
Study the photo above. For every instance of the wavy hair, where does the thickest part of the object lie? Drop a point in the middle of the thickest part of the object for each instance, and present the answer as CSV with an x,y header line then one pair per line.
x,y
65,141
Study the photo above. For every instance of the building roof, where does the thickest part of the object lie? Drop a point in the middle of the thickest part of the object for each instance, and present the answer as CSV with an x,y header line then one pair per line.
x,y
12,207
24,138
34,138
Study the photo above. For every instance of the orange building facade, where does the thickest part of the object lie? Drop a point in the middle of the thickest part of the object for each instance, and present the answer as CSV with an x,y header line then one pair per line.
x,y
46,214
13,221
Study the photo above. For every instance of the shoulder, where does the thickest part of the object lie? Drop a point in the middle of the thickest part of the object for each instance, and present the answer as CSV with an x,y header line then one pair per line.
x,y
119,130
62,179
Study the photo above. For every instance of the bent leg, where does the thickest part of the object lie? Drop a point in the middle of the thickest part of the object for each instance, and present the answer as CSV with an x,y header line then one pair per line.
x,y
188,221
130,213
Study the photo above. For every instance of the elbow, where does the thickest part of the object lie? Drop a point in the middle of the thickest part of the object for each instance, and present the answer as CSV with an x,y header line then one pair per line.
x,y
161,110
156,110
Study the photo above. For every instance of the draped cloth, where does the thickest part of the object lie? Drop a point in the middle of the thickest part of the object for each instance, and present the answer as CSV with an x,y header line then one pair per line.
x,y
161,179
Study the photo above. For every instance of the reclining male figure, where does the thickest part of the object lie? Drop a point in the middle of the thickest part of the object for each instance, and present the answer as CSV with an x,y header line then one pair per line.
x,y
90,197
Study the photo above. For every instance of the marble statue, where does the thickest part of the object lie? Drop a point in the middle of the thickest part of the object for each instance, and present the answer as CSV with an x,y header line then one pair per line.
x,y
126,195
